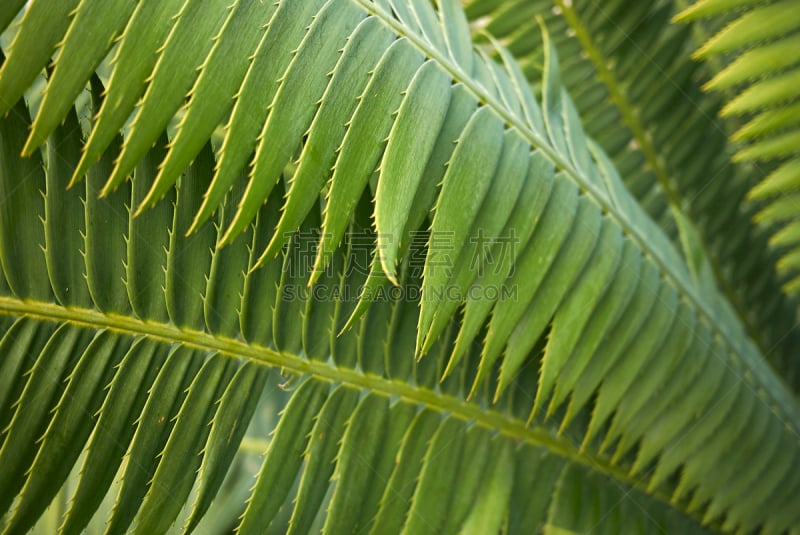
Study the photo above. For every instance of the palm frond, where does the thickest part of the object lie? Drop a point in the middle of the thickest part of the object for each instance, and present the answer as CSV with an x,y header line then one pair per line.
x,y
519,381
159,399
640,97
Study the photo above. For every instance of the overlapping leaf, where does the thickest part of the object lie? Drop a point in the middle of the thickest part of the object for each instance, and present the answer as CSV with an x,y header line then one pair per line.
x,y
575,306
640,97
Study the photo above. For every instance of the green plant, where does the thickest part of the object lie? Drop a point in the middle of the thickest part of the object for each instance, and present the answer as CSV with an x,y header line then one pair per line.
x,y
762,41
458,310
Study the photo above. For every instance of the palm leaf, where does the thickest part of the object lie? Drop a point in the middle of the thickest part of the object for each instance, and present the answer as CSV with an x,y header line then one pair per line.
x,y
471,436
641,99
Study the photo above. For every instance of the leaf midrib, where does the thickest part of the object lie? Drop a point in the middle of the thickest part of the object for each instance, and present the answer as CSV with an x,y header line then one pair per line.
x,y
535,140
512,428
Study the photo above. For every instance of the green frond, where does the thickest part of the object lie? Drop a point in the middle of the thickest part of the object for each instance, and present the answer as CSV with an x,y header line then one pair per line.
x,y
160,399
758,46
477,326
639,96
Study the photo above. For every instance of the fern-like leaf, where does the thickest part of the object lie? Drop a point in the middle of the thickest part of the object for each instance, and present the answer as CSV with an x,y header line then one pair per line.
x,y
406,414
